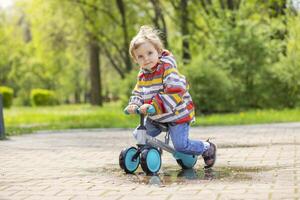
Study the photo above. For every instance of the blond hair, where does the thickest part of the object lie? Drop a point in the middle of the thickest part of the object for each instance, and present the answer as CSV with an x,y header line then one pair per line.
x,y
146,34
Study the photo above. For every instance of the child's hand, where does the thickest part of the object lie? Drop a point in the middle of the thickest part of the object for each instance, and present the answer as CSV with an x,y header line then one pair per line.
x,y
144,107
131,109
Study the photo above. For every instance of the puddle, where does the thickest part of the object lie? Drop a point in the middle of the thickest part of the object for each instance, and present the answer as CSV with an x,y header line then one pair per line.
x,y
176,176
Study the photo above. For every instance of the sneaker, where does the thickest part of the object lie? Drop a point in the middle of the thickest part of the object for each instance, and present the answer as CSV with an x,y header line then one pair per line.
x,y
210,156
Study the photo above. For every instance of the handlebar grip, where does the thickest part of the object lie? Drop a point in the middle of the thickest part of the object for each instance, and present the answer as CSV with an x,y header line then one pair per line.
x,y
126,112
150,110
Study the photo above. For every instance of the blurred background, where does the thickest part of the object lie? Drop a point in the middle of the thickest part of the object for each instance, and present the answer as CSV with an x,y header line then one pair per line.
x,y
237,55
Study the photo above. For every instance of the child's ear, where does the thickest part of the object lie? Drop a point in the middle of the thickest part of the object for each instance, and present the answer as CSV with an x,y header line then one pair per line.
x,y
160,52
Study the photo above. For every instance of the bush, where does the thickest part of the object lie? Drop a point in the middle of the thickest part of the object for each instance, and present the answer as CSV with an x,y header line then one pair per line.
x,y
210,87
283,83
7,96
282,80
245,51
43,97
286,86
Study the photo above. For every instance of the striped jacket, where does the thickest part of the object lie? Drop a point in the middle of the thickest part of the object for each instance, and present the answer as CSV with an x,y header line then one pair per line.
x,y
167,90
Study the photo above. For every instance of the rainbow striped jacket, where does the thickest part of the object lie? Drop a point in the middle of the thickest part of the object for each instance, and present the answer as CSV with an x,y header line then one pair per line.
x,y
167,90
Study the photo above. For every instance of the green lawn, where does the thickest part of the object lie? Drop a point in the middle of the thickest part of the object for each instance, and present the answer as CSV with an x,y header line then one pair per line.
x,y
29,119
251,117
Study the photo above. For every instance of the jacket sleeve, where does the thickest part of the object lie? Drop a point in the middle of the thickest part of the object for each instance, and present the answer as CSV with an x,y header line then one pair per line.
x,y
136,97
174,88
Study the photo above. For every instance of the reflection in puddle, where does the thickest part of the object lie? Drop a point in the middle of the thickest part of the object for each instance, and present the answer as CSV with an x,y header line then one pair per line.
x,y
168,177
174,176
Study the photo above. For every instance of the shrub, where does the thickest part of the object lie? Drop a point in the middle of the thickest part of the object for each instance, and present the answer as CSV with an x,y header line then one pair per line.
x,y
210,87
245,51
43,97
283,78
283,83
7,95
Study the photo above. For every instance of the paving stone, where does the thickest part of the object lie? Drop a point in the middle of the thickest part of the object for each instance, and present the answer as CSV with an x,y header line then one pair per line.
x,y
82,164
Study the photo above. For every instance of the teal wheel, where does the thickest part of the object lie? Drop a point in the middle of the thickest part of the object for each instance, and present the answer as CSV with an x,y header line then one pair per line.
x,y
150,161
185,161
126,161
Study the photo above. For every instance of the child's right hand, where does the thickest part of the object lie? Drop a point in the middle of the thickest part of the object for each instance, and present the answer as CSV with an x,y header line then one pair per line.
x,y
131,109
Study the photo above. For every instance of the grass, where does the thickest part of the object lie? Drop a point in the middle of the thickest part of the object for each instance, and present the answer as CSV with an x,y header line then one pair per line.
x,y
29,119
251,117
19,120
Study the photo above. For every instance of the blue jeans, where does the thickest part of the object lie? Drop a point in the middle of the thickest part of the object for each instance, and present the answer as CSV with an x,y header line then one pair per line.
x,y
179,134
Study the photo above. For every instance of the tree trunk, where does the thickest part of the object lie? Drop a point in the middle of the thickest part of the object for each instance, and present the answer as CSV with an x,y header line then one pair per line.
x,y
230,4
77,97
95,76
122,10
77,93
186,56
277,8
159,21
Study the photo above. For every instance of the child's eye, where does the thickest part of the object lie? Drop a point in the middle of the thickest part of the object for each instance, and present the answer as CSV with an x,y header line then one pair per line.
x,y
140,56
150,53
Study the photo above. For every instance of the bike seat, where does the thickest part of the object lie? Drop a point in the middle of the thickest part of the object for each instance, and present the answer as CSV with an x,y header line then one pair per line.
x,y
164,127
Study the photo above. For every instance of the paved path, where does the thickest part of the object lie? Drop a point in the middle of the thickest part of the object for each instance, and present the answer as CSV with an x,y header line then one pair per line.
x,y
254,162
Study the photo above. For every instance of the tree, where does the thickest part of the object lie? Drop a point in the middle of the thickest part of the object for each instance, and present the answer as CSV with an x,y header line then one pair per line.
x,y
122,10
95,72
182,11
159,20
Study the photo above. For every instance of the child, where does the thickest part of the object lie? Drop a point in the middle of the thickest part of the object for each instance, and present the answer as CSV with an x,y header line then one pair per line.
x,y
161,85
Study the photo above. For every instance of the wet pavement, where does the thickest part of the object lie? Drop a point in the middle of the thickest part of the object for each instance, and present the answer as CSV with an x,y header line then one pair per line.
x,y
254,162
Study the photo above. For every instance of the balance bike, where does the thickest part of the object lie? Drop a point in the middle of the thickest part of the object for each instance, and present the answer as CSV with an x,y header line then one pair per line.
x,y
149,150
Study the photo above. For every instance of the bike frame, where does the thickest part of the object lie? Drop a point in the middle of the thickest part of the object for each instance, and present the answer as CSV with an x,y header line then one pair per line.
x,y
144,139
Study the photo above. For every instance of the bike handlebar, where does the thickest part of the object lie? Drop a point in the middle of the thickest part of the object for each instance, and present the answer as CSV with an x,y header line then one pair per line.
x,y
150,110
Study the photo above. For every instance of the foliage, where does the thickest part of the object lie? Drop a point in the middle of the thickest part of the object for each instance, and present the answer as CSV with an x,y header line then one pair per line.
x,y
211,87
42,97
283,80
7,96
233,67
244,55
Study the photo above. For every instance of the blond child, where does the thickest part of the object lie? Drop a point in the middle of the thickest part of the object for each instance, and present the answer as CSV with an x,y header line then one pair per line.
x,y
161,85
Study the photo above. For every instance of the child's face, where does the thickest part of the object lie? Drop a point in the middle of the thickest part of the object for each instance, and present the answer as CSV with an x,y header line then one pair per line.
x,y
146,55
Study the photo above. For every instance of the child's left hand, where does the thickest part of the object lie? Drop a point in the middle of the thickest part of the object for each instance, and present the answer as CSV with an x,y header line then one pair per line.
x,y
144,107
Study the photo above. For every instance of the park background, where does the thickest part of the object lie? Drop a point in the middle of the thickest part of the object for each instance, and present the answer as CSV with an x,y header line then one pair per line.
x,y
65,63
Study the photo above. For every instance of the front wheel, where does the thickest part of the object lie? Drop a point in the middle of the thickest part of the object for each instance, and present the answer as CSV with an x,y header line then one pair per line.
x,y
126,161
150,161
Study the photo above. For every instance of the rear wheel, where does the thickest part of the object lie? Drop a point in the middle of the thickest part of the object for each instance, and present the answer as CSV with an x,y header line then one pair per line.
x,y
186,161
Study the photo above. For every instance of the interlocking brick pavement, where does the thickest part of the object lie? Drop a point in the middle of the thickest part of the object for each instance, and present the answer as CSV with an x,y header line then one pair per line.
x,y
83,164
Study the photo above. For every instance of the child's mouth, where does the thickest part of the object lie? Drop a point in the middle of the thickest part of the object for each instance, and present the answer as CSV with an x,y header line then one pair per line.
x,y
147,66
